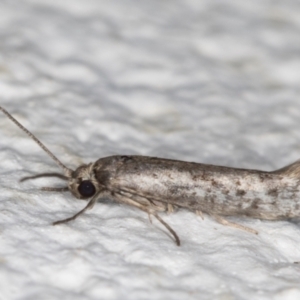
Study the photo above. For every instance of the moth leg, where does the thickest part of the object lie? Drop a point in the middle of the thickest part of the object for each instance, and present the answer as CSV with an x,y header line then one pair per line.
x,y
234,225
90,205
149,217
170,208
172,231
147,209
48,189
200,214
61,176
55,189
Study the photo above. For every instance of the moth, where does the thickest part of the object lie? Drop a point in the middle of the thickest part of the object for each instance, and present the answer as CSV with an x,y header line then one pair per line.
x,y
156,185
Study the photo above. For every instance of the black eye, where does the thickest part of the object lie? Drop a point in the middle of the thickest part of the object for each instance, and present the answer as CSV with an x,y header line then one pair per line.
x,y
86,189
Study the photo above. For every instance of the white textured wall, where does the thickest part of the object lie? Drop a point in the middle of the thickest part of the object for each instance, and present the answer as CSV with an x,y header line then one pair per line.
x,y
208,81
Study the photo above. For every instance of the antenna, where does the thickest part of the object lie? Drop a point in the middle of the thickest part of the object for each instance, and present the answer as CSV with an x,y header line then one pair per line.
x,y
67,171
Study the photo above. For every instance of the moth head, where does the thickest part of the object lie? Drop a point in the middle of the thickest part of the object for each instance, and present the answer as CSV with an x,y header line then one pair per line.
x,y
82,183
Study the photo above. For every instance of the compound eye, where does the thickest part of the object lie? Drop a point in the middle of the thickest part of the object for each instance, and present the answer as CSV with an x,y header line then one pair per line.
x,y
86,189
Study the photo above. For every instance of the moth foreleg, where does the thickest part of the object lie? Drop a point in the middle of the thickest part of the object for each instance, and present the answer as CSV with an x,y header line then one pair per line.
x,y
55,189
90,205
48,189
61,176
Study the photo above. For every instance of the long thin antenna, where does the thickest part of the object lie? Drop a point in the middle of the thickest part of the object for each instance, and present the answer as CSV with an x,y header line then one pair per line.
x,y
67,171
